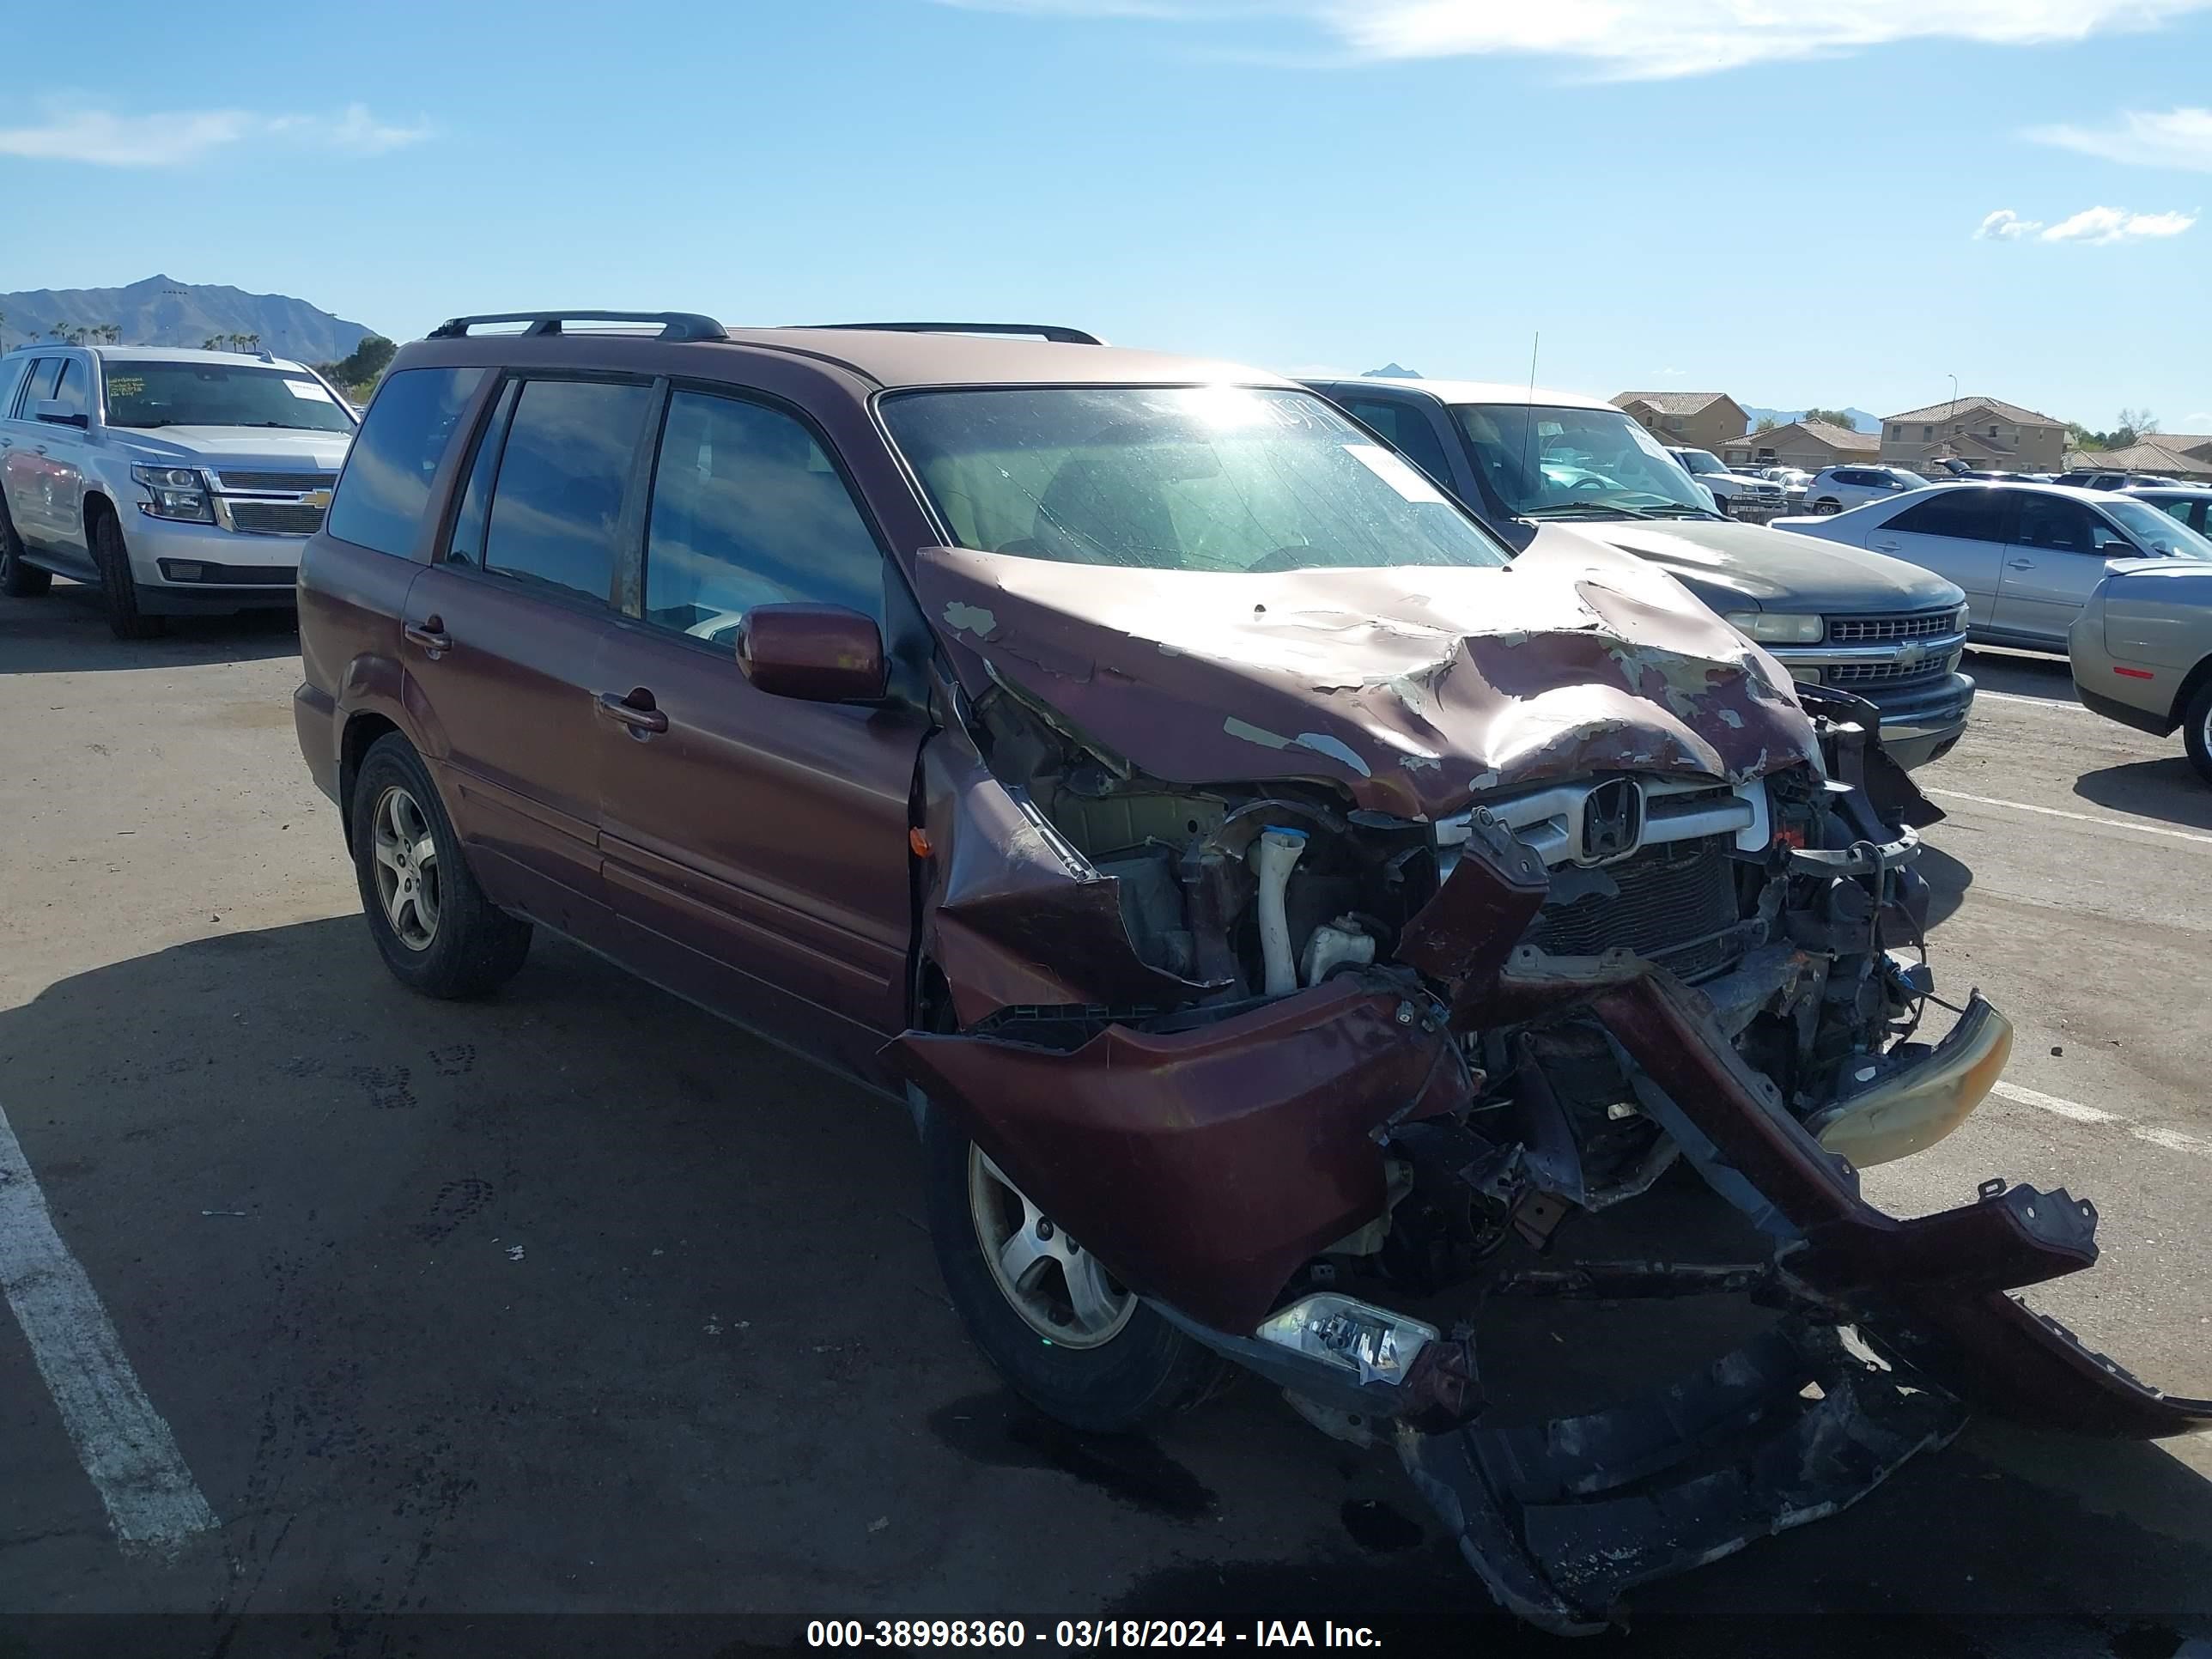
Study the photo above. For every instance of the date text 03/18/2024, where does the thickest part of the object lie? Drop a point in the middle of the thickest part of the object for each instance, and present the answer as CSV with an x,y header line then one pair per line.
x,y
1084,1633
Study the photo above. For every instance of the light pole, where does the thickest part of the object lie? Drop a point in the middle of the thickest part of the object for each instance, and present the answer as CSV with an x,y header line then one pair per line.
x,y
1955,395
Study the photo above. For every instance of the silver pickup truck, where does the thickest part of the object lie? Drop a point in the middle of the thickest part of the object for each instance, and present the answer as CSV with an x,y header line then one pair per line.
x,y
1522,458
179,482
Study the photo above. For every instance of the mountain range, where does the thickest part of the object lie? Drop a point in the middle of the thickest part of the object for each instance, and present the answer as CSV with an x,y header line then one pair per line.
x,y
1860,421
161,311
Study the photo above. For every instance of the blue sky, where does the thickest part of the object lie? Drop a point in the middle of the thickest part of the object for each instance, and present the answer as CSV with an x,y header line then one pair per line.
x,y
1848,207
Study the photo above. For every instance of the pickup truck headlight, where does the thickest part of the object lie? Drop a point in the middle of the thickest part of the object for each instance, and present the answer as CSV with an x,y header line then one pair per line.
x,y
1778,626
174,492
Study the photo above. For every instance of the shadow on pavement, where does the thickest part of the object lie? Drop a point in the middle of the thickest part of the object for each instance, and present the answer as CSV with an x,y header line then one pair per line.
x,y
580,1301
2168,789
2021,673
66,632
1948,882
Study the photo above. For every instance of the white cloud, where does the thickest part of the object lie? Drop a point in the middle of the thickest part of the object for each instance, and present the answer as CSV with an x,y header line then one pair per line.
x,y
1647,39
2004,225
2171,138
2098,225
102,138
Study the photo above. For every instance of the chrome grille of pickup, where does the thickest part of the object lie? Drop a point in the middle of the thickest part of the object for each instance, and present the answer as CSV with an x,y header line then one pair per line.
x,y
1891,673
274,483
1669,903
1863,630
275,518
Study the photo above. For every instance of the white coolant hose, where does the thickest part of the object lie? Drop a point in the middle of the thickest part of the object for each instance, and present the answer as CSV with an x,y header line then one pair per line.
x,y
1272,859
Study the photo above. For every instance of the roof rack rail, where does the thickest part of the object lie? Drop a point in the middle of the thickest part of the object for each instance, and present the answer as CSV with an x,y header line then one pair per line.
x,y
1058,333
674,324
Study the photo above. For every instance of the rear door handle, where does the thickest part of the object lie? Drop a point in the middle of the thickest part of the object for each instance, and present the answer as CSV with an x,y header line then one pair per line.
x,y
1884,547
431,636
2020,564
617,707
37,449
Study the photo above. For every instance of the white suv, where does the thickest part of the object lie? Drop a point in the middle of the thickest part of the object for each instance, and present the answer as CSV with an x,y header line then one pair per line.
x,y
179,482
1839,488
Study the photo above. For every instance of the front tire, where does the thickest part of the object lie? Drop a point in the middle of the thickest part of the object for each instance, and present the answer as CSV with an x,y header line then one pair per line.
x,y
2197,731
18,580
119,588
434,928
1071,1340
1828,506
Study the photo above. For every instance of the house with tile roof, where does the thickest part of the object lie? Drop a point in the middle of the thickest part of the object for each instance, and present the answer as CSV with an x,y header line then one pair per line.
x,y
1691,419
1810,445
2166,454
1984,432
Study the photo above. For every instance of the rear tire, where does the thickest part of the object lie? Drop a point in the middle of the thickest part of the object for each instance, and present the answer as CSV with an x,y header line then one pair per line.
x,y
18,580
118,586
434,928
1143,1370
2197,731
1827,505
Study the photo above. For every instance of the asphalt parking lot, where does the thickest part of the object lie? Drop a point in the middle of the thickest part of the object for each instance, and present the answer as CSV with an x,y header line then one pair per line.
x,y
578,1302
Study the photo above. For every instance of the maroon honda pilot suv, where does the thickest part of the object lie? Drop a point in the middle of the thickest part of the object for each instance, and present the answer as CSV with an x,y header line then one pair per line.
x,y
1283,912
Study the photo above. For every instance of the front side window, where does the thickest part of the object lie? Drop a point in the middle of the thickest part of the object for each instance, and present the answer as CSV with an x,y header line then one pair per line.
x,y
1555,461
2148,526
70,390
386,482
557,505
747,510
155,392
1409,432
1218,478
45,371
2056,524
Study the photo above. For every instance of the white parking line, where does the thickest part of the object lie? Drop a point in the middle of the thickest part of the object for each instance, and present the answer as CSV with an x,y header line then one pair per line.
x,y
2078,817
2038,702
2172,1139
125,1448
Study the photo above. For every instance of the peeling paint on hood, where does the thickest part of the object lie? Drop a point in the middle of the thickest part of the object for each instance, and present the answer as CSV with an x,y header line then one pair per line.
x,y
1412,687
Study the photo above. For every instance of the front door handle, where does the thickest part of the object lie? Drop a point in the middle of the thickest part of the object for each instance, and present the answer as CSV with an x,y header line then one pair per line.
x,y
431,635
623,707
1884,547
2020,564
37,449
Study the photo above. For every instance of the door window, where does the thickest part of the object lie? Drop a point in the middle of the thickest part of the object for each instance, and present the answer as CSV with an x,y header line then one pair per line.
x,y
1408,431
1974,515
71,390
2055,523
748,509
11,380
557,507
40,388
386,482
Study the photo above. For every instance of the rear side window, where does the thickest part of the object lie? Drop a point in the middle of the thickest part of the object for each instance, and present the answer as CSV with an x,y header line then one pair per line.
x,y
11,377
557,506
748,510
386,482
1974,515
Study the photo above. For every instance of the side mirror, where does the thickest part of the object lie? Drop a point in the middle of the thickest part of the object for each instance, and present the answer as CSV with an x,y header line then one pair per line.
x,y
57,414
816,653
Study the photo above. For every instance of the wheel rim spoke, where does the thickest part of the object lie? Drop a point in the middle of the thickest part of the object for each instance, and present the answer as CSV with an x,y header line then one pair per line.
x,y
1021,1256
405,857
1076,1306
1094,1305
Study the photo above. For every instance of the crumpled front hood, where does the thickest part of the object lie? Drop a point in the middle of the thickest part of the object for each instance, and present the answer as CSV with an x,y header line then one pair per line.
x,y
1727,563
1416,688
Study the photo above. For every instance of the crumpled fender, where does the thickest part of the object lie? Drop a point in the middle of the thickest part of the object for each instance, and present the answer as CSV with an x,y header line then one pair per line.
x,y
1203,1166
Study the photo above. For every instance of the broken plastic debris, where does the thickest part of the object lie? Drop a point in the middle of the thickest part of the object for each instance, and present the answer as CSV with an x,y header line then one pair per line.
x,y
514,1253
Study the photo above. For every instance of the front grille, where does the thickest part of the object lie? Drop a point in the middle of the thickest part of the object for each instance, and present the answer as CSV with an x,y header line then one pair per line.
x,y
274,483
1669,899
1919,625
276,517
1891,673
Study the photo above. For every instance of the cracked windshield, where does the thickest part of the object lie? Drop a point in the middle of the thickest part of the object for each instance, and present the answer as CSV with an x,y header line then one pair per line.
x,y
1553,463
1175,478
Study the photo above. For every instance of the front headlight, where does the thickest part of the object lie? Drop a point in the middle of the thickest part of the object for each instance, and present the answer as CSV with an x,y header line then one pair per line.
x,y
174,492
1778,626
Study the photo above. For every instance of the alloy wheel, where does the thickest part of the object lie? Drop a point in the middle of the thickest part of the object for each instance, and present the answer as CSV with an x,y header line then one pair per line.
x,y
1059,1288
407,881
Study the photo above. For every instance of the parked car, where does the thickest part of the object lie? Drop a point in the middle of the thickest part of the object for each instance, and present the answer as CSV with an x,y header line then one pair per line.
x,y
2142,651
2029,556
1733,492
1839,488
1271,901
2081,479
1864,624
1793,480
180,482
2190,503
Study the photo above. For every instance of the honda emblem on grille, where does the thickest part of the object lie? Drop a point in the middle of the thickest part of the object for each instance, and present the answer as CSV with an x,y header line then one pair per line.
x,y
1612,819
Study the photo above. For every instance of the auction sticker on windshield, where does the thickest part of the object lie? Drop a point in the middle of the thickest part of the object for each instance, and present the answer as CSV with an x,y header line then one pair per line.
x,y
1394,470
309,391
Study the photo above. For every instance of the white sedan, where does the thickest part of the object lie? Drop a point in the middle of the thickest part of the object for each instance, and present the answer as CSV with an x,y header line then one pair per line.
x,y
2028,554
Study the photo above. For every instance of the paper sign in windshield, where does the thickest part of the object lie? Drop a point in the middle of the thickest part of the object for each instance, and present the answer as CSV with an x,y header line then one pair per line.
x,y
1394,471
308,392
